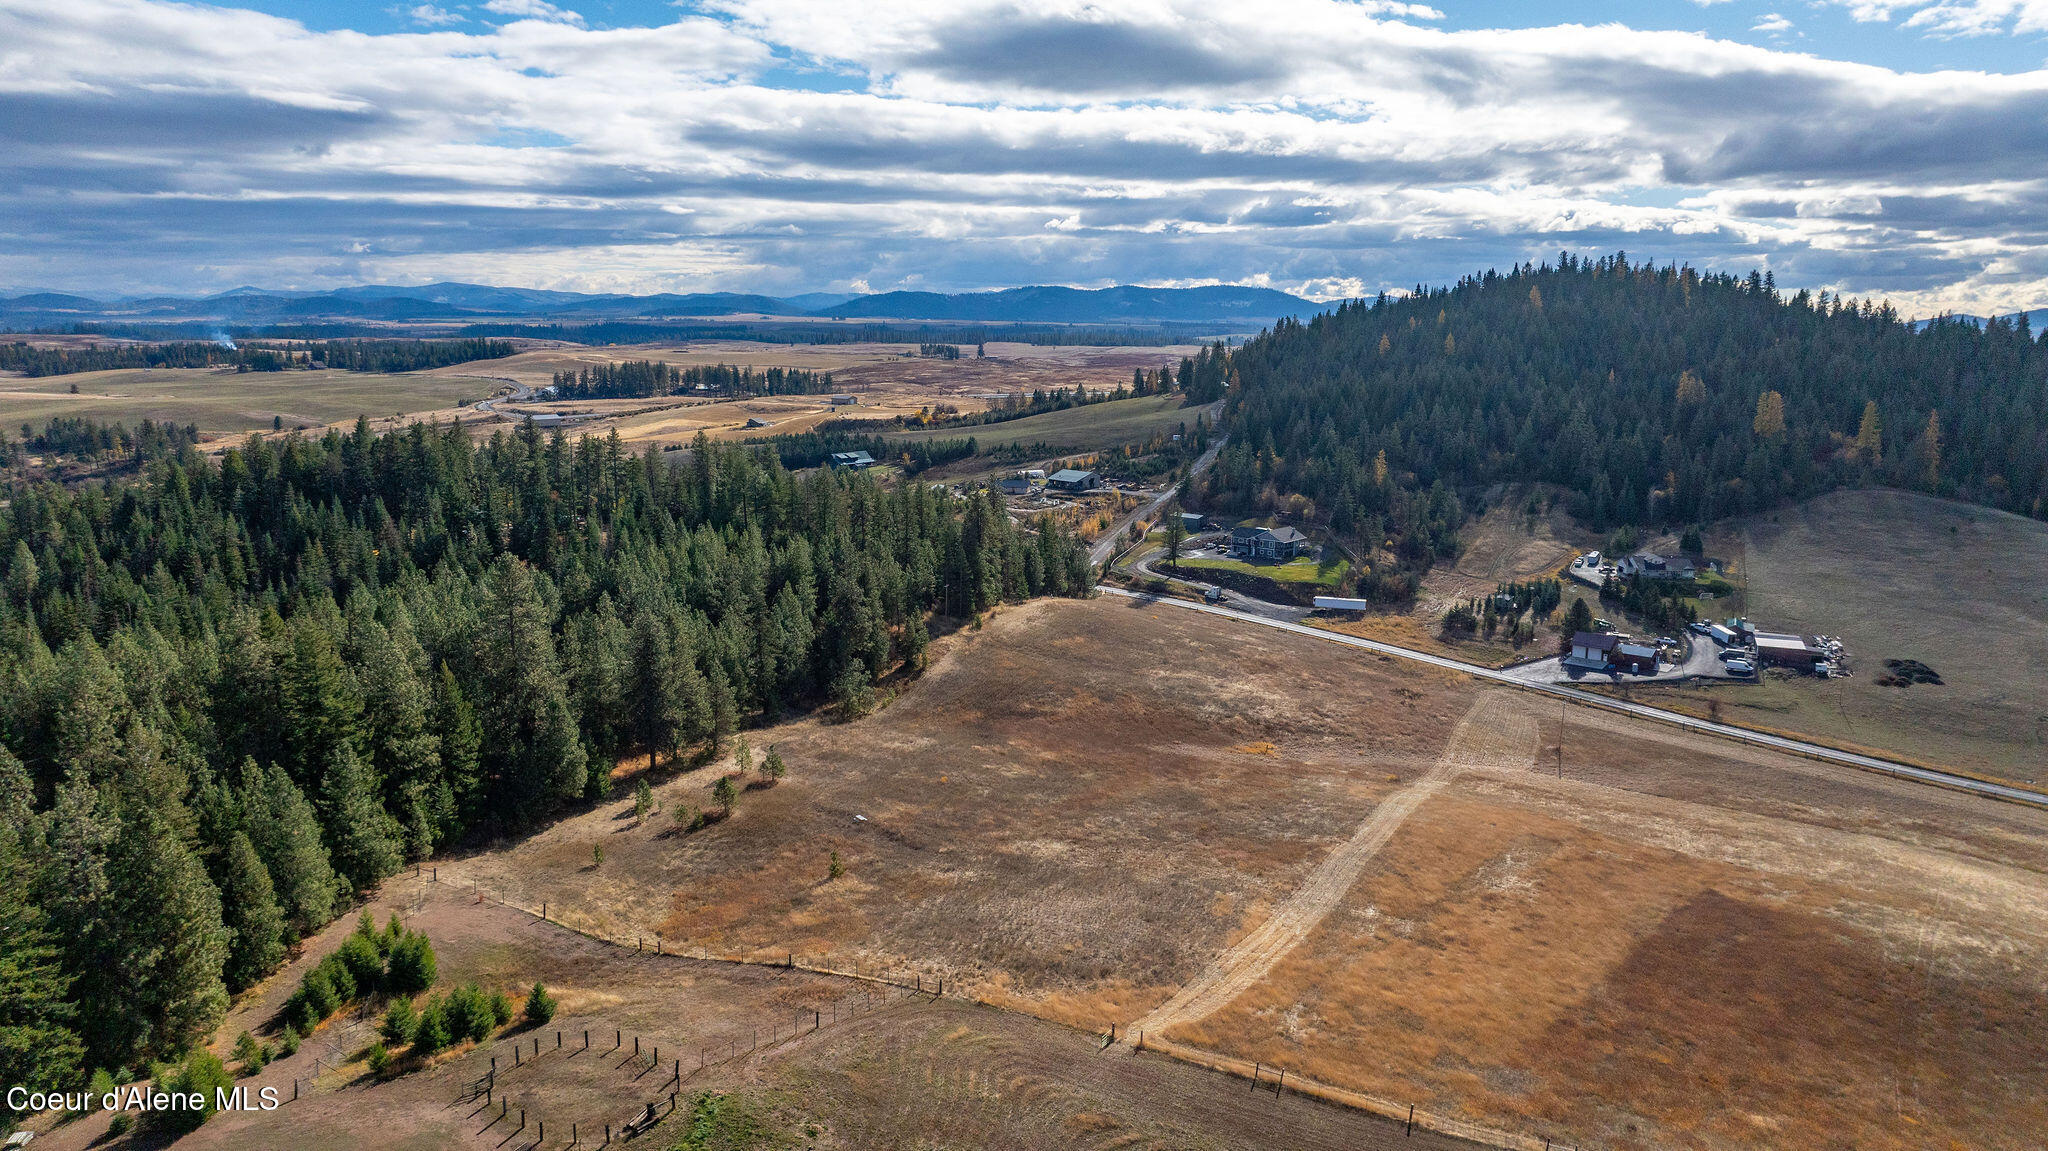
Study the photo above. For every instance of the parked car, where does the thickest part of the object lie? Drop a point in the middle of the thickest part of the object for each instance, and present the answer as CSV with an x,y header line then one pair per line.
x,y
1700,628
1732,654
1741,667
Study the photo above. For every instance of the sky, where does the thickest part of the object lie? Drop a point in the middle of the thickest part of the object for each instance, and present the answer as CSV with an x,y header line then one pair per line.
x,y
1890,149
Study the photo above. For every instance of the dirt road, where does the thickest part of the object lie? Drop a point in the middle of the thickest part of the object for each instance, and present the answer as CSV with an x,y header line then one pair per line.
x,y
1492,733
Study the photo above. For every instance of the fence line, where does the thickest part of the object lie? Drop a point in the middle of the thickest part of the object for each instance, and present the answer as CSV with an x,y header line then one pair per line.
x,y
1252,1071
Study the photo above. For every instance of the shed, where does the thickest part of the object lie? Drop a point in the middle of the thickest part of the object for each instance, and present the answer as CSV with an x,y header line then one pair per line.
x,y
1073,480
1785,650
1015,485
854,460
1594,645
1636,658
1191,522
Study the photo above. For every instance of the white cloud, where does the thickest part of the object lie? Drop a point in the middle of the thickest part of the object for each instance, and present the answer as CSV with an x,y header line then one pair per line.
x,y
430,15
1309,142
1954,17
532,10
1771,23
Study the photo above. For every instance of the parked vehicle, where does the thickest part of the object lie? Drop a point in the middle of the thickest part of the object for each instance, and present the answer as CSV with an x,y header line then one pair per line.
x,y
1741,667
1700,628
1734,654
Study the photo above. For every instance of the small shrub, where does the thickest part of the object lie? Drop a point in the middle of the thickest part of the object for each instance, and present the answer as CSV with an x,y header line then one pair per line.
x,y
773,767
597,855
288,1041
724,793
412,968
204,1074
836,868
643,800
401,1019
250,1054
380,1058
431,1034
501,1008
540,1006
121,1124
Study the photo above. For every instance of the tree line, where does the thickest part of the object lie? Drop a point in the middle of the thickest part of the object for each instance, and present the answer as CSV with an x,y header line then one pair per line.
x,y
346,355
236,692
1653,395
89,441
641,378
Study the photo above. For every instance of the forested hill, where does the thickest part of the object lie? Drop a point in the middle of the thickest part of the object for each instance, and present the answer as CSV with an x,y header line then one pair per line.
x,y
235,693
1655,395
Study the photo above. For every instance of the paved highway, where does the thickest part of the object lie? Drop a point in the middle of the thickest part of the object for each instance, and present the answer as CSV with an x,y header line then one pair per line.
x,y
1706,727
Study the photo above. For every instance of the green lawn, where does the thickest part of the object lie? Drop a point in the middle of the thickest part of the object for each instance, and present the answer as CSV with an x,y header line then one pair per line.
x,y
1302,570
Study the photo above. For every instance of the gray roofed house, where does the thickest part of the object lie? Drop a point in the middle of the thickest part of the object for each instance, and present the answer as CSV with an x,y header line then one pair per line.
x,y
1282,543
854,460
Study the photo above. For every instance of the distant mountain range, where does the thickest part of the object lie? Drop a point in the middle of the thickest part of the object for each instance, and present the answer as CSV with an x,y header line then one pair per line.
x,y
1243,306
2035,319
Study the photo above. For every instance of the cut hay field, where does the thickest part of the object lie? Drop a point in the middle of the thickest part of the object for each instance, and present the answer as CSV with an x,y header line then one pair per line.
x,y
222,401
1901,576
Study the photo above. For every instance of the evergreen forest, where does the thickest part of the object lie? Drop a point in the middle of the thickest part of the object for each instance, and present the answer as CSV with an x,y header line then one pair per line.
x,y
1653,396
239,690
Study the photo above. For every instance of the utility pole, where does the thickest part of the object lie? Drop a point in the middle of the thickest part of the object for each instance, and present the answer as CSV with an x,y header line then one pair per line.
x,y
1561,704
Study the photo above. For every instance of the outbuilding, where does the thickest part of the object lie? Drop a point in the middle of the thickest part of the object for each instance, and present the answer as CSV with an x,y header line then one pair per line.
x,y
1635,657
1592,650
1015,485
1780,650
1191,522
1073,480
854,460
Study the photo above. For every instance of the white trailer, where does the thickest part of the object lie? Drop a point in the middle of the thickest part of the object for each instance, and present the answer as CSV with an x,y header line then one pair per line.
x,y
1338,603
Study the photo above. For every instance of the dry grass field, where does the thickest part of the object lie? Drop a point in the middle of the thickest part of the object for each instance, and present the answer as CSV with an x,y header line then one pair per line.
x,y
1272,850
1260,846
1901,576
1032,821
1680,944
905,1071
222,401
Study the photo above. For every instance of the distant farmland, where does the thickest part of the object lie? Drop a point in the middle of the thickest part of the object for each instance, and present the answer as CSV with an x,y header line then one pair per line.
x,y
1092,426
225,401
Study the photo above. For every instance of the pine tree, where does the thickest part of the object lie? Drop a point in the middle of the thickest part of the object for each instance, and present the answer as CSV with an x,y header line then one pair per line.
x,y
37,1044
249,908
456,798
405,753
1690,388
286,834
532,755
165,937
362,838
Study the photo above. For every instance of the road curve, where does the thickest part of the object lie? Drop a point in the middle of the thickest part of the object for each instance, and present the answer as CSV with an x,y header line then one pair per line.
x,y
1660,715
1106,545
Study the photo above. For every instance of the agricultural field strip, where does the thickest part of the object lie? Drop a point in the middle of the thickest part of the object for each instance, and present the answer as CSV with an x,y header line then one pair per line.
x,y
1707,727
1251,958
